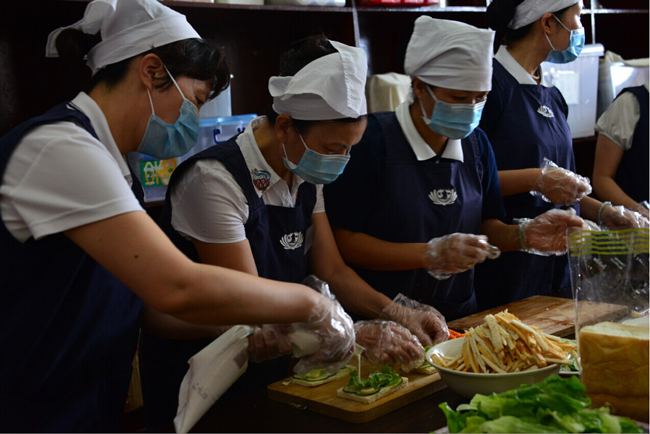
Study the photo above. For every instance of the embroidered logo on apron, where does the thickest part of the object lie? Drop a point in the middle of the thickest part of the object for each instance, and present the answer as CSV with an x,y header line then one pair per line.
x,y
443,197
261,179
545,111
292,241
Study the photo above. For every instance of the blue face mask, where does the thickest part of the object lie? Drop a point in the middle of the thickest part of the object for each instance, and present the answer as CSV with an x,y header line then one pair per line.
x,y
455,121
162,140
317,168
576,43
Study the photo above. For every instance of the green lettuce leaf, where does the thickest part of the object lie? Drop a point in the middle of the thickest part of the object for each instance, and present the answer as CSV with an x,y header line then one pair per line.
x,y
376,380
554,405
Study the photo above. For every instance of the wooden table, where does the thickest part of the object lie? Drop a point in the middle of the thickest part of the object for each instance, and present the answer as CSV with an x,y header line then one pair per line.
x,y
258,413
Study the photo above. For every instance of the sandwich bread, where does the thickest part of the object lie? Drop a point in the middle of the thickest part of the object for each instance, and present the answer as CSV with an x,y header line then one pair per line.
x,y
315,377
384,391
615,366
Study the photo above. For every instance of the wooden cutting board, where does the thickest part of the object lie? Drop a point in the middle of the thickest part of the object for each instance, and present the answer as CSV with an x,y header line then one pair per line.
x,y
323,399
555,316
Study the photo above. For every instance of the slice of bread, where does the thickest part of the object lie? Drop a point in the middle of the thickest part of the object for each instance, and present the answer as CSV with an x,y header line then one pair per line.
x,y
344,372
384,391
615,367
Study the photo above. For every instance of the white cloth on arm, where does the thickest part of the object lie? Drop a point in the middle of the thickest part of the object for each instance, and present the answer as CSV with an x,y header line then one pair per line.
x,y
619,120
209,205
60,177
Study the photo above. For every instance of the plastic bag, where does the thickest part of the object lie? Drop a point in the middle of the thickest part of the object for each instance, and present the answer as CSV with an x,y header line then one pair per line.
x,y
212,371
609,276
609,266
216,367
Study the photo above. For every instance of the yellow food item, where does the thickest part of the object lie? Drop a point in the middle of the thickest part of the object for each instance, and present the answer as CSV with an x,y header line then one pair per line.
x,y
504,344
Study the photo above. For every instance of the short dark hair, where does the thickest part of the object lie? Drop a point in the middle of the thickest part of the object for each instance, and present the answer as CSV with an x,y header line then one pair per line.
x,y
293,60
501,12
195,58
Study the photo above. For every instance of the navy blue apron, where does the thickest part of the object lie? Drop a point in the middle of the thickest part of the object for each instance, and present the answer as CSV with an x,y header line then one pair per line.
x,y
275,235
632,172
531,125
407,213
69,328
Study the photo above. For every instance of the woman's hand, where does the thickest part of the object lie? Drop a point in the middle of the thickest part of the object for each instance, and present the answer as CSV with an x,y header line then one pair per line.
x,y
619,217
546,234
422,320
456,253
386,342
268,342
560,186
334,328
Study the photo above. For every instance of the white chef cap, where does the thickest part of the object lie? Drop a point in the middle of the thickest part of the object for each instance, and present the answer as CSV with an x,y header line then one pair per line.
x,y
330,87
450,54
128,28
530,11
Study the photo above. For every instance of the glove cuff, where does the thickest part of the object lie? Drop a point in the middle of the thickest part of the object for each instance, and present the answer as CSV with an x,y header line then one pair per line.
x,y
600,212
522,236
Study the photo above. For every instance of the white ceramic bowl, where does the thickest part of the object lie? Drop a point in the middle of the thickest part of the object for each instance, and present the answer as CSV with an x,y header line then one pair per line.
x,y
469,384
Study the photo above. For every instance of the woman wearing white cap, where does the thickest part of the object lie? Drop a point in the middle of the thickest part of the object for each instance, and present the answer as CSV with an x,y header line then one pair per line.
x,y
255,204
525,119
423,181
73,236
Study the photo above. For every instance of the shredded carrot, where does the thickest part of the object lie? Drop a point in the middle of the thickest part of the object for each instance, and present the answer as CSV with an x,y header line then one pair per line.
x,y
454,334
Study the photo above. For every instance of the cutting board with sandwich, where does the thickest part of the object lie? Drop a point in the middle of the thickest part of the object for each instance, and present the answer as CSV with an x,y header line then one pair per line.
x,y
360,397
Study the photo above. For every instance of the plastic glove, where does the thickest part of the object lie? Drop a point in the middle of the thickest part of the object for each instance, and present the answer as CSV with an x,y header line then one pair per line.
x,y
619,217
456,253
545,235
333,327
641,208
268,342
560,186
422,320
387,342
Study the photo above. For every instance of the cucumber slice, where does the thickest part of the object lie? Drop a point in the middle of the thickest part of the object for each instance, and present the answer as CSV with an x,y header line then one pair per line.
x,y
367,391
313,375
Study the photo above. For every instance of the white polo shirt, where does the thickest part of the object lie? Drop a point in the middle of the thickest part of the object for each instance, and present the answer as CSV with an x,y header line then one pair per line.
x,y
60,177
208,205
422,150
619,121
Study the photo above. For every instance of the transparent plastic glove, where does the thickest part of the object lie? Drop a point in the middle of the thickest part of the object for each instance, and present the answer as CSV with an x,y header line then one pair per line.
x,y
333,327
545,235
387,342
456,253
269,341
642,208
422,320
560,186
619,217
